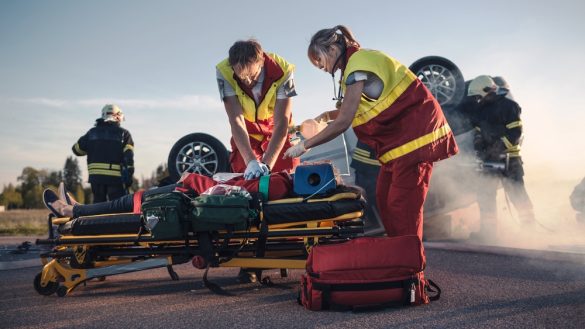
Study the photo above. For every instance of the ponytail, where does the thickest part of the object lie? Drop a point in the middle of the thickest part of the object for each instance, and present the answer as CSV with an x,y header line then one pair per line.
x,y
324,39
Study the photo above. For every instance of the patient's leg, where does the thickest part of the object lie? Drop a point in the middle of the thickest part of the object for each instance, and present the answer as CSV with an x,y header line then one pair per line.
x,y
119,205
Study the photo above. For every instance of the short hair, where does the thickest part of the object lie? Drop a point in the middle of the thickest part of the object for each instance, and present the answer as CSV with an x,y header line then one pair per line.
x,y
245,52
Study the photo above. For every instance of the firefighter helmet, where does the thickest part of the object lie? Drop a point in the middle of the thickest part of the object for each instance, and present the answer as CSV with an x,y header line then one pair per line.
x,y
481,86
112,112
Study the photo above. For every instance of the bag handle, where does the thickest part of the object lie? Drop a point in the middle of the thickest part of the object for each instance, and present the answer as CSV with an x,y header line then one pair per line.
x,y
429,288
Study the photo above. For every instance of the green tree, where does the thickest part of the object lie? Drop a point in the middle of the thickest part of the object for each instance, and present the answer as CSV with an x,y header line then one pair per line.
x,y
31,188
72,178
32,183
156,177
51,178
11,197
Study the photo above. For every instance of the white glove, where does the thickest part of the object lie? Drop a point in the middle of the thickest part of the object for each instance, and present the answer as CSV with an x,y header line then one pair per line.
x,y
296,151
255,169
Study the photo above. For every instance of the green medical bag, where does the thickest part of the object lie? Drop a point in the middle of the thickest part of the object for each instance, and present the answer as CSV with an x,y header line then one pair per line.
x,y
167,215
220,212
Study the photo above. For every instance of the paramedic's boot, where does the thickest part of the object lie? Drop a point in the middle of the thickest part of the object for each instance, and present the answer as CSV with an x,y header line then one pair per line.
x,y
488,230
247,276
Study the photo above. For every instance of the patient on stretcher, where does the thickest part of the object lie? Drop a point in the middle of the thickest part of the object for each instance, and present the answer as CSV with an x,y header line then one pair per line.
x,y
191,184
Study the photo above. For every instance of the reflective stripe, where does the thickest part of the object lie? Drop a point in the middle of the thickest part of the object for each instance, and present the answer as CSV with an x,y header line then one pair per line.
x,y
98,165
361,152
79,150
514,124
510,148
366,160
128,147
415,144
104,172
257,137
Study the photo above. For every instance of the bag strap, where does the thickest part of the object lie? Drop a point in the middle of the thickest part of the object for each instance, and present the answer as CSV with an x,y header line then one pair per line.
x,y
137,201
263,186
429,288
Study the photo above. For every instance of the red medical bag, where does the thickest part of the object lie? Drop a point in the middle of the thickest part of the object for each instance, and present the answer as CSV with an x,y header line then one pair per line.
x,y
368,272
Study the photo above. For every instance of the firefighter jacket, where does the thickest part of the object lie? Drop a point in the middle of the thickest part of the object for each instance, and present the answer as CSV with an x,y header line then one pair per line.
x,y
109,149
259,117
405,122
364,158
498,129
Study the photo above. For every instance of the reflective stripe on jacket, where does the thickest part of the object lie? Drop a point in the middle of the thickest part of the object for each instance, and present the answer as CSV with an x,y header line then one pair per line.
x,y
108,147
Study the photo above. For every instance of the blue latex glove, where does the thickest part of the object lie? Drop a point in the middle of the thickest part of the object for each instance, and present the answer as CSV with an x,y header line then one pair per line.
x,y
255,169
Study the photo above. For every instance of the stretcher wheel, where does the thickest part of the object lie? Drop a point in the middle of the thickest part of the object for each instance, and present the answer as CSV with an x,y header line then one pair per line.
x,y
50,289
62,291
284,272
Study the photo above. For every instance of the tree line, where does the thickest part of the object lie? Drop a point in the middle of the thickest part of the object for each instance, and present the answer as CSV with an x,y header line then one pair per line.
x,y
27,193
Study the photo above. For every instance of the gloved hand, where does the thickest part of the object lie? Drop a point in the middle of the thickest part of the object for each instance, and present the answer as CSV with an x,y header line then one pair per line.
x,y
255,169
296,151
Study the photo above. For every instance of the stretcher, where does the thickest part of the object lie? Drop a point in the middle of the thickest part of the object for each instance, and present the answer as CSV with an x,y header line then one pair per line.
x,y
279,236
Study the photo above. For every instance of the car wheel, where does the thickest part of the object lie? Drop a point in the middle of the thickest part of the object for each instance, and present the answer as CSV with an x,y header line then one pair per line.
x,y
442,77
197,153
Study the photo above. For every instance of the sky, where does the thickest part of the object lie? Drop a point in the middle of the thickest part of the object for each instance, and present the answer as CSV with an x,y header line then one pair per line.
x,y
61,61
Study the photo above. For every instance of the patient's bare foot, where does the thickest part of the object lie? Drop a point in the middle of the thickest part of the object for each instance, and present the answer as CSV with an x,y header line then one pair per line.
x,y
63,208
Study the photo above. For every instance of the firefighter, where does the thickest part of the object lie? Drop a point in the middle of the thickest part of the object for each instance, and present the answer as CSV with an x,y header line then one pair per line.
x,y
367,168
394,114
497,139
256,89
110,155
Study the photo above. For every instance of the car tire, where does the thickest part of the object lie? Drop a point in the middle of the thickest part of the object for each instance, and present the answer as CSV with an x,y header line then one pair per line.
x,y
197,153
442,77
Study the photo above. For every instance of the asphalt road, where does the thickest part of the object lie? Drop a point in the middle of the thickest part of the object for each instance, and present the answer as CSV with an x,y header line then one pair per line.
x,y
498,289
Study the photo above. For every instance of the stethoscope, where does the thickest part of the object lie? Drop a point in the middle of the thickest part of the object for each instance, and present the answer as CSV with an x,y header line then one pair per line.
x,y
338,93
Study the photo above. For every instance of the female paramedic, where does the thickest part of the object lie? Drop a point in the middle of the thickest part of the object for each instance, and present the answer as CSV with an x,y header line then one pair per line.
x,y
256,89
391,111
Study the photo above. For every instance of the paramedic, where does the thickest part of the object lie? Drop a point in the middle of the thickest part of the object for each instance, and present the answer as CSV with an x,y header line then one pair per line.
x,y
393,113
256,89
497,139
110,155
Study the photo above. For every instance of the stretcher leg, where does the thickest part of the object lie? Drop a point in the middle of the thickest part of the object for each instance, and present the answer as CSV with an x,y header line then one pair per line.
x,y
56,273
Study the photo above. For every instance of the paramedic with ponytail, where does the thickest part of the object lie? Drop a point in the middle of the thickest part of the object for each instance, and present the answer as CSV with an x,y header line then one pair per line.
x,y
256,89
392,112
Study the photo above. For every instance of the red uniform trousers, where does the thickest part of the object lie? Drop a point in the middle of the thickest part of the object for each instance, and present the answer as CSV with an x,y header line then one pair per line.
x,y
238,165
401,191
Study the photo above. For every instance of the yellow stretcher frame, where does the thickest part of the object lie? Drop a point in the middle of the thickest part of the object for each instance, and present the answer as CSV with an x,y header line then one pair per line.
x,y
60,276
